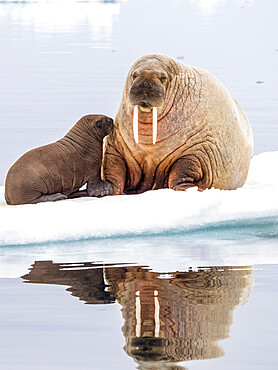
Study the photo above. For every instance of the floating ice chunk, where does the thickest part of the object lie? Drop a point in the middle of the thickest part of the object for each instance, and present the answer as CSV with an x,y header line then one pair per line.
x,y
167,211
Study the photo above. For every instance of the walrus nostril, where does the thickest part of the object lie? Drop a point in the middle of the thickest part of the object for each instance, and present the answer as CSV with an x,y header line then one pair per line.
x,y
146,84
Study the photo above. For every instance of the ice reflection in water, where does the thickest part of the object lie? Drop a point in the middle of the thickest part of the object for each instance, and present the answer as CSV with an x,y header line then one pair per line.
x,y
96,17
169,317
208,6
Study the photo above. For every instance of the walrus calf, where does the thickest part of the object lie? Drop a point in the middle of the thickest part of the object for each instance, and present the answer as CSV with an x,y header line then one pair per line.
x,y
56,171
177,127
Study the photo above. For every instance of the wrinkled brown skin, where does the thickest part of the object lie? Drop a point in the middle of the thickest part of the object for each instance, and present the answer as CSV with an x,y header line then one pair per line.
x,y
56,171
204,137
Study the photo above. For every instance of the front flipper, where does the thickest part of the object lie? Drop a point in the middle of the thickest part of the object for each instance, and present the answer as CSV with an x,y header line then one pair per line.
x,y
185,173
114,169
99,189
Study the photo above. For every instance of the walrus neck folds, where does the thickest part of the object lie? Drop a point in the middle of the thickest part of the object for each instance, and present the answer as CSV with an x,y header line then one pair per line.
x,y
82,141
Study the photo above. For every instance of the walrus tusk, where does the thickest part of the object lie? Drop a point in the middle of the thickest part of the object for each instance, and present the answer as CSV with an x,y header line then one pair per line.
x,y
135,124
154,124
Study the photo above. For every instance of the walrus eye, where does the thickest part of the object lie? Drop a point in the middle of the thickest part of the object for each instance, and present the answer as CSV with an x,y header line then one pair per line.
x,y
163,79
98,123
133,76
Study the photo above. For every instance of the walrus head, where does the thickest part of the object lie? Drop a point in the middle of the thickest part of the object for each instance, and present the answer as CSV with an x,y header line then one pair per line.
x,y
95,125
103,124
147,93
148,88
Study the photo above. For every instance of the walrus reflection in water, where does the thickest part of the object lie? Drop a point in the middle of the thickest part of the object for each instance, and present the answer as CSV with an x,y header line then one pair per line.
x,y
168,318
58,170
177,127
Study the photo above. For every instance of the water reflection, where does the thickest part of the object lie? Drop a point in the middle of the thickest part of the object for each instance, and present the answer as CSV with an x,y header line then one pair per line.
x,y
169,317
93,17
208,6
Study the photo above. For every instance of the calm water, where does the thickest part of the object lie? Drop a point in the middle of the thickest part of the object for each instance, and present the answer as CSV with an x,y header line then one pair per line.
x,y
146,303
141,303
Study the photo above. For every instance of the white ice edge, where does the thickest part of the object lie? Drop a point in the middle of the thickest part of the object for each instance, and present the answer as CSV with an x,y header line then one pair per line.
x,y
153,212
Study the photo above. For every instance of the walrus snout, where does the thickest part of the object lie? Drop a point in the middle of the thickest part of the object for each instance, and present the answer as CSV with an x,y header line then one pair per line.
x,y
108,124
146,93
148,348
104,125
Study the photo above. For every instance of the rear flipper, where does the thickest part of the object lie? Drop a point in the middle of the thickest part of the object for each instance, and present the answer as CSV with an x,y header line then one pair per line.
x,y
50,198
27,196
78,194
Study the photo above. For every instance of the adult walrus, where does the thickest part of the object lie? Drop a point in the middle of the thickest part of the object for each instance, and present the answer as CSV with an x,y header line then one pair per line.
x,y
200,135
56,171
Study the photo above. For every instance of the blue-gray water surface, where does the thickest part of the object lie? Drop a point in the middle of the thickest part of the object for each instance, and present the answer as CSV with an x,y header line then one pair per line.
x,y
145,302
